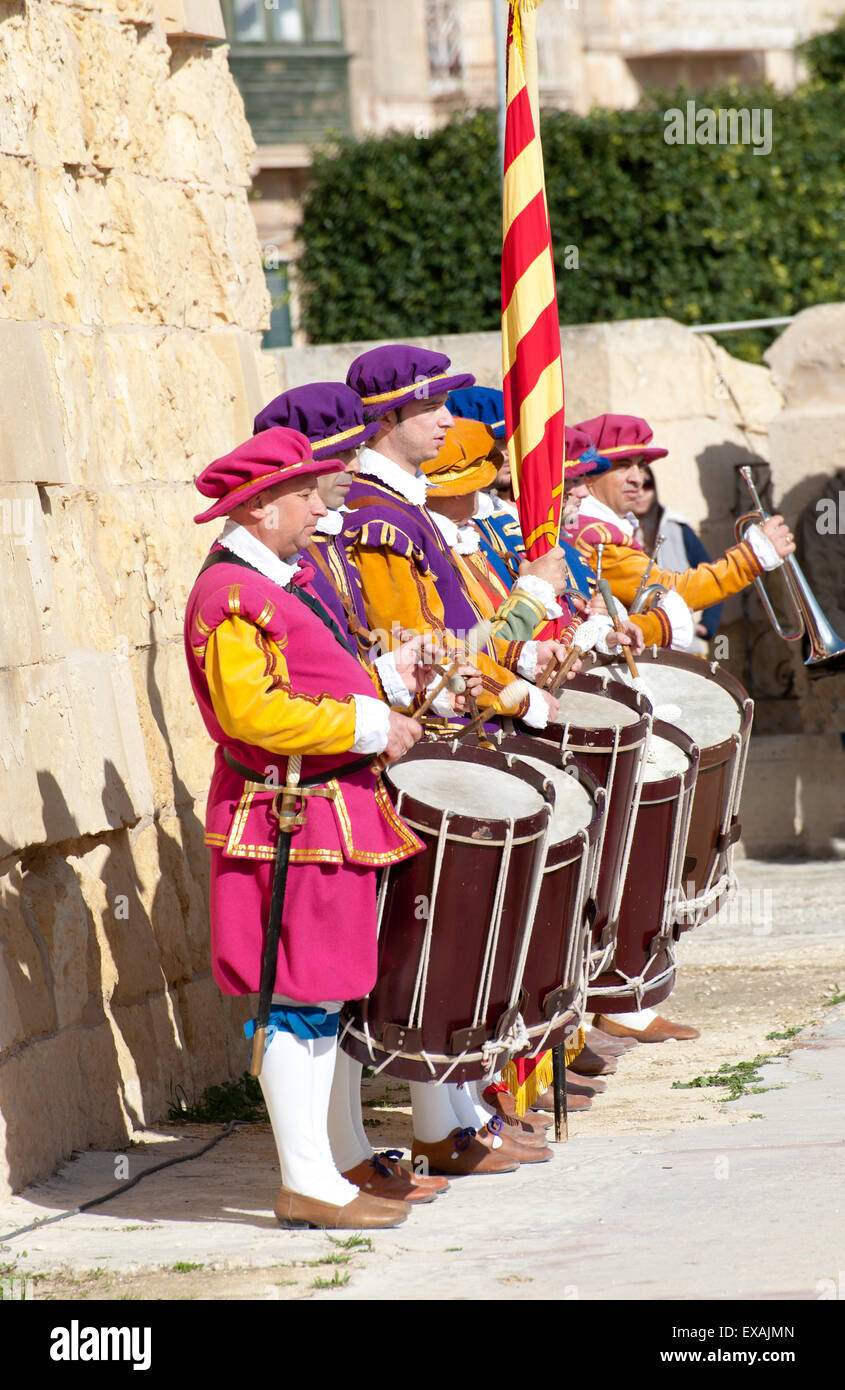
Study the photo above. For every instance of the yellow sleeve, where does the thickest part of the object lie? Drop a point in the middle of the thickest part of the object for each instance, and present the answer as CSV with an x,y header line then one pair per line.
x,y
707,584
396,591
250,690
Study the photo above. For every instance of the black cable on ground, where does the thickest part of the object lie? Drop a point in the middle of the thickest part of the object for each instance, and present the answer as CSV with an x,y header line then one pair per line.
x,y
118,1191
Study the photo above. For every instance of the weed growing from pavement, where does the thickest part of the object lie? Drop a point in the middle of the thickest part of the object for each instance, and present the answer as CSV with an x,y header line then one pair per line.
x,y
232,1100
736,1076
835,998
336,1282
782,1037
354,1242
185,1267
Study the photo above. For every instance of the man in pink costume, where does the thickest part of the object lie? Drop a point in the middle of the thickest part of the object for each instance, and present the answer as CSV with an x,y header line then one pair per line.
x,y
275,677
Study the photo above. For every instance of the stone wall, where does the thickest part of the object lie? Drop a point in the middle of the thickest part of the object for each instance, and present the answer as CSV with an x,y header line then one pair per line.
x,y
131,299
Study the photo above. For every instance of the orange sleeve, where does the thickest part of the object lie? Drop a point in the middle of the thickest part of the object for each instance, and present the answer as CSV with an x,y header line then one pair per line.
x,y
702,587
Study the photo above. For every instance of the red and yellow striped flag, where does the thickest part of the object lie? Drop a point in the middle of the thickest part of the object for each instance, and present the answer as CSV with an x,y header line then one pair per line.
x,y
531,360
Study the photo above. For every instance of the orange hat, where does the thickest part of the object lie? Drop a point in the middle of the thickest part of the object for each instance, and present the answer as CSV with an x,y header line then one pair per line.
x,y
462,464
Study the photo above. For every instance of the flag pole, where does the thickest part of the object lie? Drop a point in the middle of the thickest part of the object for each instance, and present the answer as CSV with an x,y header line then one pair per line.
x,y
501,79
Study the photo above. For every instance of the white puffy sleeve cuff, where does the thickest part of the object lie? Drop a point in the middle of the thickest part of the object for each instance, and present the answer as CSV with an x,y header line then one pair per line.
x,y
537,714
680,619
372,724
527,663
395,690
763,548
542,591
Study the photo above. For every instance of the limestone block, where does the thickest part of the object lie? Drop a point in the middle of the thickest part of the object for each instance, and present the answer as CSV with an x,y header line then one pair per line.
x,y
27,1006
208,138
178,751
202,18
59,921
31,447
99,550
32,630
201,1012
227,230
129,11
73,387
175,548
625,369
123,122
169,891
47,1070
41,110
808,358
196,864
742,392
73,207
27,290
806,445
150,1039
248,377
72,755
792,797
114,899
698,478
21,821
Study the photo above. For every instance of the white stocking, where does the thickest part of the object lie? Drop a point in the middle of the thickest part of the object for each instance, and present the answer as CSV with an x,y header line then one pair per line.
x,y
434,1117
296,1079
347,1136
637,1021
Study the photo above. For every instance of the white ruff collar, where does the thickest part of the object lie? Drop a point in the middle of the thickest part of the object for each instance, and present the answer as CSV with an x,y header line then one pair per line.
x,y
247,547
331,524
412,487
464,539
597,511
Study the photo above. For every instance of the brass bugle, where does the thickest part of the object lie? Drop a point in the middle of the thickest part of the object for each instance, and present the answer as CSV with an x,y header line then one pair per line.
x,y
825,644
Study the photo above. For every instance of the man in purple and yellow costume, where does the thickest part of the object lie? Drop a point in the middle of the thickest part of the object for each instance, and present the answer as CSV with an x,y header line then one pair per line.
x,y
408,575
276,682
331,416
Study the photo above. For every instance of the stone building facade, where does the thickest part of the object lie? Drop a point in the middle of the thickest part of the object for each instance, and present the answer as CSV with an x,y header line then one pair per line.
x,y
131,305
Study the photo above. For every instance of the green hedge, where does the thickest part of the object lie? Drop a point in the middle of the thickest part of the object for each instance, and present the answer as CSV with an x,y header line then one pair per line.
x,y
402,236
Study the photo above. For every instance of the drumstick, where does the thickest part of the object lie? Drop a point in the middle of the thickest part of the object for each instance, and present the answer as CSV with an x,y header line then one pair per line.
x,y
610,603
509,696
584,640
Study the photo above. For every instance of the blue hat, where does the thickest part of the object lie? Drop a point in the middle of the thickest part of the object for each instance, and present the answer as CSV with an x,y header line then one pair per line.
x,y
328,413
482,403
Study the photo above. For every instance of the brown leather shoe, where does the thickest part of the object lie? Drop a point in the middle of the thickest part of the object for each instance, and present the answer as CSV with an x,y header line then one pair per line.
x,y
524,1147
503,1104
659,1030
363,1213
605,1045
392,1159
573,1102
376,1178
462,1153
583,1086
592,1063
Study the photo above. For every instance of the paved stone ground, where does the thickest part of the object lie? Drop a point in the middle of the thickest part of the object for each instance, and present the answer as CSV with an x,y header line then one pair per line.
x,y
660,1193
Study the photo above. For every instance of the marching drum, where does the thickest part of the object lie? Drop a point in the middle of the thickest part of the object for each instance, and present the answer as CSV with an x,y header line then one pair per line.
x,y
716,712
641,972
555,975
455,921
608,733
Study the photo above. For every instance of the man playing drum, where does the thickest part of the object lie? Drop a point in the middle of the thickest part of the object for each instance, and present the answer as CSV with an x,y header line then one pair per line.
x,y
282,694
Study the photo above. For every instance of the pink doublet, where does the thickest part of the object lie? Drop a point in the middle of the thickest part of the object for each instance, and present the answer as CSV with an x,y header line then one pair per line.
x,y
328,943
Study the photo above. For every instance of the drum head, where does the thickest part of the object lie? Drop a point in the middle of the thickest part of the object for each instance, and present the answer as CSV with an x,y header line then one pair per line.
x,y
709,713
574,808
663,759
474,790
583,710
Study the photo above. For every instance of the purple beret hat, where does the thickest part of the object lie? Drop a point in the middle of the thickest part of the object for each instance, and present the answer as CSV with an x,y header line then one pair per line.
x,y
389,377
327,412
